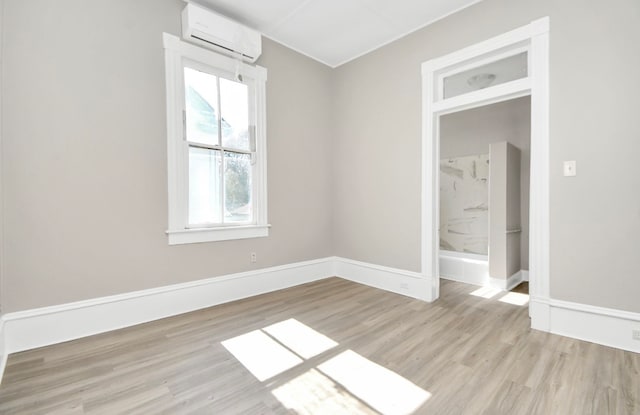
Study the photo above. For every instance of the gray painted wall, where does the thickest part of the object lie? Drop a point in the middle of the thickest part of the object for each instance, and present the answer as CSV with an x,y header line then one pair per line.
x,y
84,155
84,159
471,132
595,218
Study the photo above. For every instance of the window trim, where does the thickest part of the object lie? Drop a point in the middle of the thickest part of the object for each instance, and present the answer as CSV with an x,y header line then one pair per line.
x,y
177,148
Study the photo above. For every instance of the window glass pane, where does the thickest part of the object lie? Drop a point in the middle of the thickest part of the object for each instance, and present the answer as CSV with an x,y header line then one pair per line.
x,y
201,99
234,105
494,73
204,186
237,188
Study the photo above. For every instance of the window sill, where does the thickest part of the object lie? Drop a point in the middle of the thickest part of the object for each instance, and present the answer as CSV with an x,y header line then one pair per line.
x,y
192,236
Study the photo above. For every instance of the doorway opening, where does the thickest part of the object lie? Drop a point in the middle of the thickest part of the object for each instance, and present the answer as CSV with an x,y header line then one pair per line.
x,y
484,195
476,77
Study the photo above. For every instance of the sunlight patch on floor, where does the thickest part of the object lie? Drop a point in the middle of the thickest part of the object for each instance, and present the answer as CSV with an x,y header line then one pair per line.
x,y
486,292
381,388
261,355
515,299
313,393
300,338
347,383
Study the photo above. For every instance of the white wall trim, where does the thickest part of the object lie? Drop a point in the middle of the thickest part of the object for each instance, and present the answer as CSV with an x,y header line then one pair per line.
x,y
177,55
508,284
44,326
409,283
539,214
539,312
535,38
464,267
518,35
189,236
3,352
600,325
476,272
29,329
503,92
430,197
39,327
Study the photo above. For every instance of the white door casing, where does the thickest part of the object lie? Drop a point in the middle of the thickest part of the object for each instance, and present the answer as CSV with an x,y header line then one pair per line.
x,y
534,39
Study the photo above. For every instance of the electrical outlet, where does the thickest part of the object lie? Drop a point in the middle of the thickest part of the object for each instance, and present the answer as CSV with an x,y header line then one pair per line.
x,y
254,257
635,334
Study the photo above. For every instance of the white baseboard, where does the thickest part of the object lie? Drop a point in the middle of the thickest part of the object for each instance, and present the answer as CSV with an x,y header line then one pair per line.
x,y
475,278
25,330
3,351
508,284
411,284
600,325
539,313
466,268
30,329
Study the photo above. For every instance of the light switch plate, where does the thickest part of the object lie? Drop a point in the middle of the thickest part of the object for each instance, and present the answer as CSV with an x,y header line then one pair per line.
x,y
570,168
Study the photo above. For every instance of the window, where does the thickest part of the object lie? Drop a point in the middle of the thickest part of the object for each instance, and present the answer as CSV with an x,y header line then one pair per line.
x,y
216,145
472,76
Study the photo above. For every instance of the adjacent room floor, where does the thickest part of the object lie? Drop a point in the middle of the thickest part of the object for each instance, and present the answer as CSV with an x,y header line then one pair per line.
x,y
332,347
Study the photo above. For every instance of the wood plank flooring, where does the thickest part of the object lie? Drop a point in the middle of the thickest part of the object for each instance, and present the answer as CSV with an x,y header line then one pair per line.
x,y
340,347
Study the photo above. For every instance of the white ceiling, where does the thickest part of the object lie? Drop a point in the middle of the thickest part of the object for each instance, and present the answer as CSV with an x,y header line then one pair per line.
x,y
336,31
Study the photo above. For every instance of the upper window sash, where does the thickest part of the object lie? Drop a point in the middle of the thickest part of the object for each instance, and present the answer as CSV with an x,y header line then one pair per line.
x,y
249,82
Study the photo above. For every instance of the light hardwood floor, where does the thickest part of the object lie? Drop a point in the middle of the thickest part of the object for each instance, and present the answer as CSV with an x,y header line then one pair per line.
x,y
344,348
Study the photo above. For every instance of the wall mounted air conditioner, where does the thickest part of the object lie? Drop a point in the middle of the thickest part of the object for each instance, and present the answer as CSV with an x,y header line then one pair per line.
x,y
219,33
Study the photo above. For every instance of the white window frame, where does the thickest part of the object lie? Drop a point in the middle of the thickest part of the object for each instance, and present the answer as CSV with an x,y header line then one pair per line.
x,y
179,232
